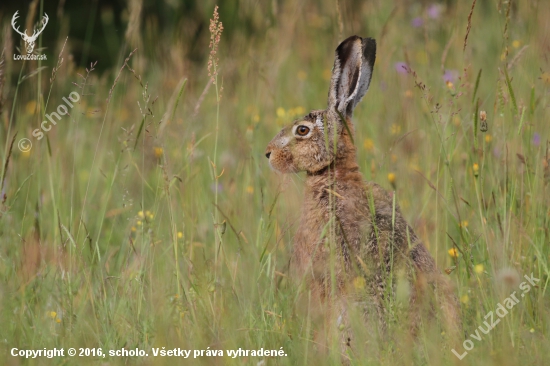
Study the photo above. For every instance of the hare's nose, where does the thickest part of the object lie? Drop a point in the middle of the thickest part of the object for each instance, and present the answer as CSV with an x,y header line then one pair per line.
x,y
268,154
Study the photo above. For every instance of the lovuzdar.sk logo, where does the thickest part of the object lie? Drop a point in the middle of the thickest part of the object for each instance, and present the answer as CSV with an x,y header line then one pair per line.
x,y
30,40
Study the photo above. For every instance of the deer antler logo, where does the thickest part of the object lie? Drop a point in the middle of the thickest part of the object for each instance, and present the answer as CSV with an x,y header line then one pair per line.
x,y
29,41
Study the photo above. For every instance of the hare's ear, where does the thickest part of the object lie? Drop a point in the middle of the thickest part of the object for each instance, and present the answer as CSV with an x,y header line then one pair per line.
x,y
351,73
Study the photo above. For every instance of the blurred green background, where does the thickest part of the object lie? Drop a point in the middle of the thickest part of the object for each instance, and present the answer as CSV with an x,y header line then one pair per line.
x,y
145,218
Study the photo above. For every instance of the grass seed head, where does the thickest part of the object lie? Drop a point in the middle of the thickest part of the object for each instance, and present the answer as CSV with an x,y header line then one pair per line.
x,y
216,30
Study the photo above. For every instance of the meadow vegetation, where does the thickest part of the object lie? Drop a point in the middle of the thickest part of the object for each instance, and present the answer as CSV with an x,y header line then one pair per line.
x,y
149,216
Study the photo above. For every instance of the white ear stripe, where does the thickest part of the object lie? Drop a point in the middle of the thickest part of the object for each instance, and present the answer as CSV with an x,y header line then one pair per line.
x,y
352,96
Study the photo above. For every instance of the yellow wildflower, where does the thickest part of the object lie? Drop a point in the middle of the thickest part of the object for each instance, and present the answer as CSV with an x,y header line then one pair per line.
x,y
158,152
395,129
180,235
475,167
30,107
488,138
391,178
281,112
453,253
368,144
478,268
249,189
464,299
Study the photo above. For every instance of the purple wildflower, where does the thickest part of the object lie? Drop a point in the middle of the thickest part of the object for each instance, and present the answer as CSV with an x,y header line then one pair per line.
x,y
213,187
417,22
536,139
401,68
434,11
450,76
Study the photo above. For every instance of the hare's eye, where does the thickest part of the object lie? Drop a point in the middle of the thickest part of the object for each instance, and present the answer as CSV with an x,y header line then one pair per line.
x,y
302,130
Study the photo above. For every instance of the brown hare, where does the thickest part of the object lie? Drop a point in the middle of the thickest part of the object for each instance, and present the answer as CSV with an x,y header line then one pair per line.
x,y
351,230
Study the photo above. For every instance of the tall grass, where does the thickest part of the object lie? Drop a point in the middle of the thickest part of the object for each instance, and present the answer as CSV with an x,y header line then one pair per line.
x,y
119,230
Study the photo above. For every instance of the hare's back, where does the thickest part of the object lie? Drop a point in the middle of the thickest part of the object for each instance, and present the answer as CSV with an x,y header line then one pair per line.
x,y
387,218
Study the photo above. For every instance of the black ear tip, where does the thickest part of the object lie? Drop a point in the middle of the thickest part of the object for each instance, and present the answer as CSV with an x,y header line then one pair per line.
x,y
369,49
369,43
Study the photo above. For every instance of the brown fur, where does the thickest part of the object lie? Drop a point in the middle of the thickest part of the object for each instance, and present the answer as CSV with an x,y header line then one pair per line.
x,y
350,228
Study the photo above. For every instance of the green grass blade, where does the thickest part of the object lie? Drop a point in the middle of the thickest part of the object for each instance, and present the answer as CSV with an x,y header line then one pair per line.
x,y
511,91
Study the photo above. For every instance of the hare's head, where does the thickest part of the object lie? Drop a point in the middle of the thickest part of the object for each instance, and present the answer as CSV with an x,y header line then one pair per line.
x,y
313,142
